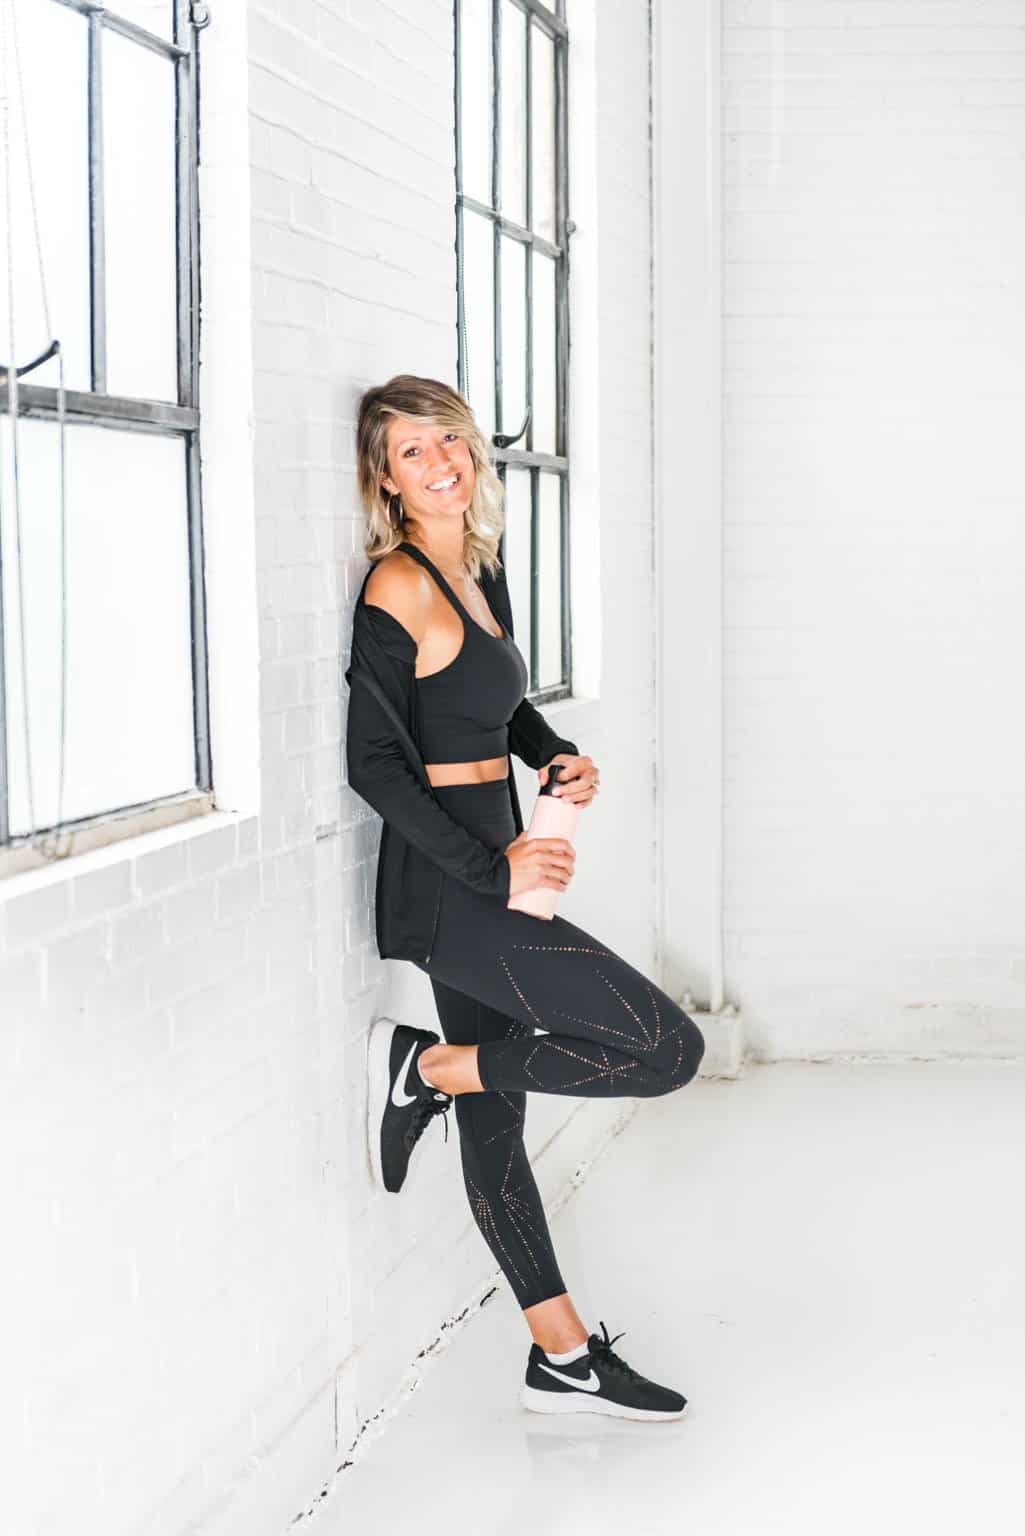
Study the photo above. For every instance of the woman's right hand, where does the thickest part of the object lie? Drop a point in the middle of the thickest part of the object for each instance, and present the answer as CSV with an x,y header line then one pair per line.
x,y
539,861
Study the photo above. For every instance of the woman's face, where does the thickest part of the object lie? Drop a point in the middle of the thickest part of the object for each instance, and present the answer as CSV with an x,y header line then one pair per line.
x,y
431,469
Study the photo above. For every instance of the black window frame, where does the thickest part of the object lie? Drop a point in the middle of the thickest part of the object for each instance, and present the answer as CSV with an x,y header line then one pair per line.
x,y
95,407
552,20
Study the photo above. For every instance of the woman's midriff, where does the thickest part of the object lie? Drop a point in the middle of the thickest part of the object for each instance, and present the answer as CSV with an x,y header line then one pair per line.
x,y
468,773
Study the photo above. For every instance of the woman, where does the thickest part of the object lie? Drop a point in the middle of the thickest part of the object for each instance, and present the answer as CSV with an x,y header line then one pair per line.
x,y
436,706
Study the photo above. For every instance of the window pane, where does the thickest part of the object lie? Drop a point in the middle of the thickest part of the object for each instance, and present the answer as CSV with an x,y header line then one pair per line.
x,y
517,552
549,560
475,97
129,728
479,308
514,113
139,204
542,132
514,335
155,15
52,47
545,436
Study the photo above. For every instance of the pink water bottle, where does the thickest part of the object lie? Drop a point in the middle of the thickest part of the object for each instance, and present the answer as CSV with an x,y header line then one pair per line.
x,y
551,817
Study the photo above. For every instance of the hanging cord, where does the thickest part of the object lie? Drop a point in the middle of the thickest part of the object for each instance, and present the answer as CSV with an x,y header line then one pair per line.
x,y
48,846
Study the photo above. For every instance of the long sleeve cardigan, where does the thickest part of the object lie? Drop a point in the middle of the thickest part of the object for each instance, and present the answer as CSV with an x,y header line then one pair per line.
x,y
420,841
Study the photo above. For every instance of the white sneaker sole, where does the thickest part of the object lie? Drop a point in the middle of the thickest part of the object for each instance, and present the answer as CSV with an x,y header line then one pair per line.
x,y
587,1402
378,1088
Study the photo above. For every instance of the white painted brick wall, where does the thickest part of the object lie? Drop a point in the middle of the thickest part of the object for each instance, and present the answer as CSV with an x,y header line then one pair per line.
x,y
874,376
204,1295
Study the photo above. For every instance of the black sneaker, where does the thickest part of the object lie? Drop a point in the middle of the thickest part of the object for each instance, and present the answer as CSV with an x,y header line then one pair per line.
x,y
598,1382
400,1104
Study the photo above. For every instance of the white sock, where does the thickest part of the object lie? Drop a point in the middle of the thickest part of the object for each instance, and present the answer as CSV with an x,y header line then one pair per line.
x,y
570,1354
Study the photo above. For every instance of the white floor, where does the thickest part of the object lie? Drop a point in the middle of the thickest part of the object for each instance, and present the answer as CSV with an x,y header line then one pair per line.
x,y
828,1260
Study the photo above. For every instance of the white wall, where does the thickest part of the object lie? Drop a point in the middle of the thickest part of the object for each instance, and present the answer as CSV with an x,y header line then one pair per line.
x,y
208,1295
874,381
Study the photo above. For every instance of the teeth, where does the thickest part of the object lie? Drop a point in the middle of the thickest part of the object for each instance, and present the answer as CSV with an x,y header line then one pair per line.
x,y
443,485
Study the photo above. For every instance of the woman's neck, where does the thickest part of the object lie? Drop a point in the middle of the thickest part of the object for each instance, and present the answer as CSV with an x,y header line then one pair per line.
x,y
445,548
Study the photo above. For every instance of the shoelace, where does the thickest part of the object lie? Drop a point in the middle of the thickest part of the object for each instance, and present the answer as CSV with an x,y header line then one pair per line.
x,y
437,1104
604,1352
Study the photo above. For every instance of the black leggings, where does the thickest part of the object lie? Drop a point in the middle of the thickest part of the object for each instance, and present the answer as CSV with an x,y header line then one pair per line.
x,y
498,975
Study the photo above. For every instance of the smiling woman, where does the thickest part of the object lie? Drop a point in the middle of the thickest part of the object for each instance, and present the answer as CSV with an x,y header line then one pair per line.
x,y
421,454
441,491
436,673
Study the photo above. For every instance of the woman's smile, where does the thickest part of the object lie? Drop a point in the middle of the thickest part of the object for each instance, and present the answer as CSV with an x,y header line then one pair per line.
x,y
449,484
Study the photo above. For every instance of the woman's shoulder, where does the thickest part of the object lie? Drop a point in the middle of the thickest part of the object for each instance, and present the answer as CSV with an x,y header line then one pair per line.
x,y
398,584
386,608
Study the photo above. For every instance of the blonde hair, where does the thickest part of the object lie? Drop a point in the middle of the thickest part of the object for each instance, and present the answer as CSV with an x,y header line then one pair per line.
x,y
427,400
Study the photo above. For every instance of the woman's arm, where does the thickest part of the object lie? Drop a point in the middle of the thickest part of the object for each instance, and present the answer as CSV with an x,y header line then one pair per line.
x,y
532,738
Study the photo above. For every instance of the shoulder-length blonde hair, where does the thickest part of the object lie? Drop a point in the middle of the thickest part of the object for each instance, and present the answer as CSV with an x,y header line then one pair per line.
x,y
427,400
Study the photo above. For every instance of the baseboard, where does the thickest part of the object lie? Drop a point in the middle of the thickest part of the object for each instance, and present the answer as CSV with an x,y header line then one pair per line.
x,y
940,1037
725,1041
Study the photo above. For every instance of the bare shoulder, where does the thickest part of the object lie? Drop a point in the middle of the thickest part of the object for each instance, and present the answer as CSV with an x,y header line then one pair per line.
x,y
400,586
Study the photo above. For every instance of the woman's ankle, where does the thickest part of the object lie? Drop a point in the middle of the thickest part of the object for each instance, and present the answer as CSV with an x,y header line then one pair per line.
x,y
430,1065
561,1344
452,1068
555,1324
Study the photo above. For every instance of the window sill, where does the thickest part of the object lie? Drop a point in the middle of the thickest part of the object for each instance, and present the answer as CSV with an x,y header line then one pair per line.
x,y
577,718
120,838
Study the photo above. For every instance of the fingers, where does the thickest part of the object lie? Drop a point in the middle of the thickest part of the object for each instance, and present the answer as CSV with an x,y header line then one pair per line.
x,y
554,860
543,861
580,789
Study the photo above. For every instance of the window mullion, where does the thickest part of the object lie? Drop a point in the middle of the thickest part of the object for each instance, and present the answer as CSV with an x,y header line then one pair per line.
x,y
183,225
563,340
462,360
535,648
496,182
187,256
197,588
97,227
562,239
528,151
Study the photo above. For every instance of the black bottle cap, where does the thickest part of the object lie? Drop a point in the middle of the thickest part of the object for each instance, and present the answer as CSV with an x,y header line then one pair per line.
x,y
554,770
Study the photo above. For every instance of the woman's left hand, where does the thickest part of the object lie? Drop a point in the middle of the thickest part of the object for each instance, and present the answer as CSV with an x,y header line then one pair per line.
x,y
579,781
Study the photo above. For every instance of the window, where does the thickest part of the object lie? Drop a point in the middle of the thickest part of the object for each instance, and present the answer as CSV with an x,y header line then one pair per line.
x,y
103,678
512,230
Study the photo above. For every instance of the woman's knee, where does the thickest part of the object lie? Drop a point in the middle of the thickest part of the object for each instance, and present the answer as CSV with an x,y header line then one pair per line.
x,y
687,1047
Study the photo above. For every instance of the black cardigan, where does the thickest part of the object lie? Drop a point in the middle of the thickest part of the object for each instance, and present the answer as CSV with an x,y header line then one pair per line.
x,y
420,840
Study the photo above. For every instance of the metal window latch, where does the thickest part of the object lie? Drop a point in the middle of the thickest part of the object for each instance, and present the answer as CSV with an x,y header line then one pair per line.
x,y
199,15
506,439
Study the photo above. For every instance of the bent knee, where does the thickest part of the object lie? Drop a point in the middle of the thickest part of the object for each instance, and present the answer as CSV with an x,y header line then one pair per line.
x,y
688,1050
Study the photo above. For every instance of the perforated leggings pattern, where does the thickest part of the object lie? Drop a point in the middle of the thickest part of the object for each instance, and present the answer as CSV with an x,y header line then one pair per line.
x,y
499,976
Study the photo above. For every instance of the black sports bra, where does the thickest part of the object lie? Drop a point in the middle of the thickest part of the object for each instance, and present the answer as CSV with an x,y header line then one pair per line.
x,y
465,708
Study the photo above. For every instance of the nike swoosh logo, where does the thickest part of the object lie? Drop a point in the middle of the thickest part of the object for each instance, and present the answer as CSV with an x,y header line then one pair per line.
x,y
399,1098
590,1385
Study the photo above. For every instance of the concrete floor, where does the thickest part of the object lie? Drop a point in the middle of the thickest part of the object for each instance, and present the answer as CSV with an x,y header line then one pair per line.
x,y
828,1260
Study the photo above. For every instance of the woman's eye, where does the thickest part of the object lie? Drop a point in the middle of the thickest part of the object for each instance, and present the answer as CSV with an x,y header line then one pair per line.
x,y
408,451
